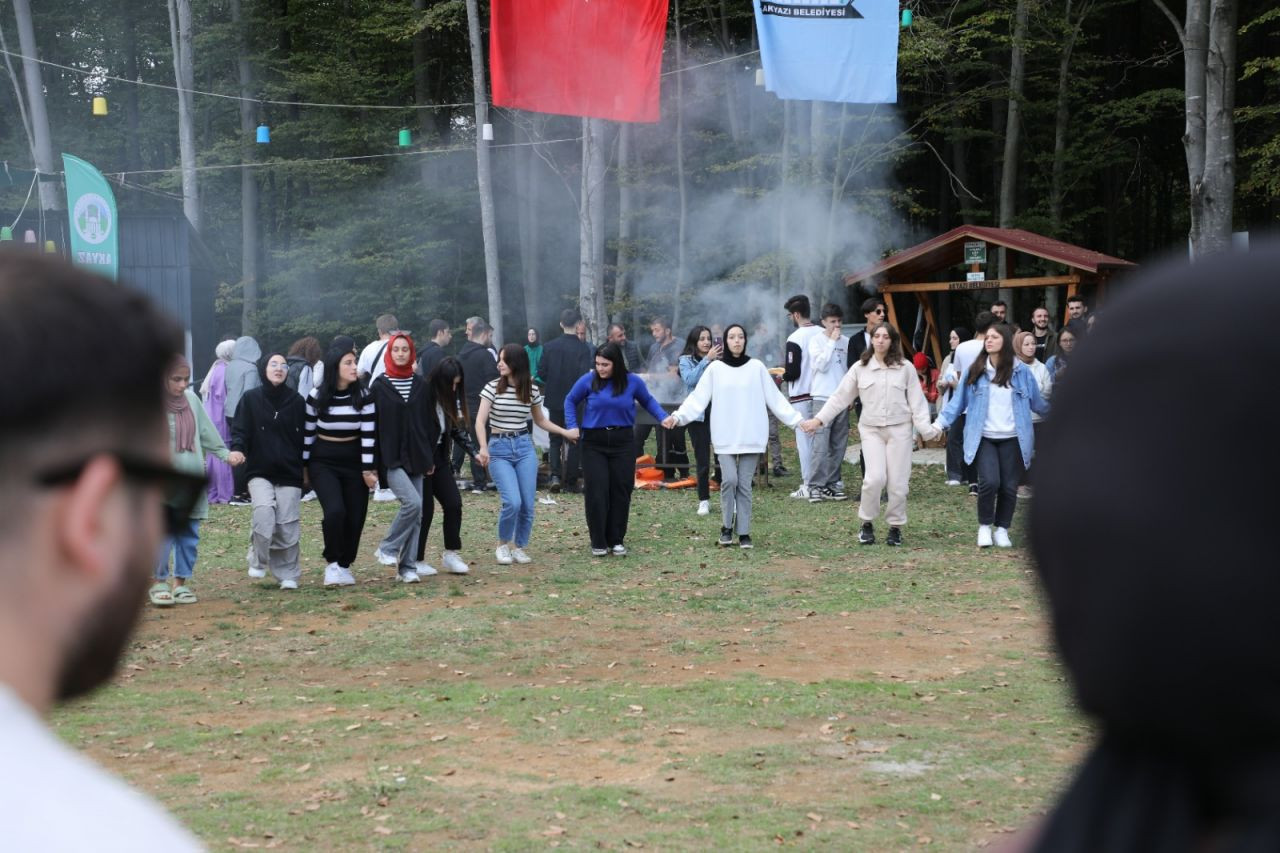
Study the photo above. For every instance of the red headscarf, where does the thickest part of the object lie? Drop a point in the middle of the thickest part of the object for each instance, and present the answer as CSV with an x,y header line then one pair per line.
x,y
394,370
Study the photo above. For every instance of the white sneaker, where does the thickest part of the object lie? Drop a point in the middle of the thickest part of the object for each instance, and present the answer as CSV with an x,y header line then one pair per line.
x,y
383,496
1025,493
619,550
288,584
385,559
599,552
422,567
453,564
257,573
309,496
1002,538
520,556
333,575
984,535
704,507
953,482
802,492
408,576
503,555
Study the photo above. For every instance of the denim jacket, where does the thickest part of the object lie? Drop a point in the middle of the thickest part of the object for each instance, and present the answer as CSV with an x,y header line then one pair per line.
x,y
691,370
974,399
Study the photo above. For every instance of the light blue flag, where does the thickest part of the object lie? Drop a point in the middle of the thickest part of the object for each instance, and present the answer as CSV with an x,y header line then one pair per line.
x,y
828,50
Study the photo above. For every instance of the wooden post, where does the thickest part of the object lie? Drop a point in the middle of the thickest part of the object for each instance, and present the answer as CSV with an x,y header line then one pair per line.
x,y
892,315
1072,288
927,307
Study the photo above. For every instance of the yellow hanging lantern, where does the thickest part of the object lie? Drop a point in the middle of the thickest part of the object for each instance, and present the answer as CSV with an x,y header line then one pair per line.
x,y
99,105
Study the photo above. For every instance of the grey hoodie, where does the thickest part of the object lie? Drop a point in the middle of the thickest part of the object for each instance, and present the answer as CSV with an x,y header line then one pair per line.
x,y
242,372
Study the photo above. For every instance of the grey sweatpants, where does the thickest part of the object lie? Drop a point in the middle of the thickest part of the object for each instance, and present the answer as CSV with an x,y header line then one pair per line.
x,y
735,489
402,537
827,447
277,524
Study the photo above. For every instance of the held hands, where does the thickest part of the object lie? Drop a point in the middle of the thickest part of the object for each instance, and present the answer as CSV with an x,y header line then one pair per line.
x,y
370,479
483,457
670,422
235,458
572,434
811,425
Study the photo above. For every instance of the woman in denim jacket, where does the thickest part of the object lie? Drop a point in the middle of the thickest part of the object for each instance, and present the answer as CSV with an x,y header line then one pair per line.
x,y
700,349
997,397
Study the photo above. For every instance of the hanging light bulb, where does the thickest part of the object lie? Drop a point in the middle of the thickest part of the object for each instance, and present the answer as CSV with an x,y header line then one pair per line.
x,y
759,76
406,138
99,105
486,132
264,134
906,18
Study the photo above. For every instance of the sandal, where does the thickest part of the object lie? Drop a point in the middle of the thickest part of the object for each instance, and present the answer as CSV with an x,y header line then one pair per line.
x,y
161,596
184,595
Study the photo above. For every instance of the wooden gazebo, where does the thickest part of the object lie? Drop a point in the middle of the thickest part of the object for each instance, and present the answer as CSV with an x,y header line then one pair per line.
x,y
929,268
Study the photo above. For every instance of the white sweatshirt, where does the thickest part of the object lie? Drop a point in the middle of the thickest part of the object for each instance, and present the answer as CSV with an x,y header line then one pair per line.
x,y
742,397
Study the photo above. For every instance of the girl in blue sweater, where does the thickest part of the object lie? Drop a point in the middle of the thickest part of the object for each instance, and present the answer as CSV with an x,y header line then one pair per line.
x,y
608,447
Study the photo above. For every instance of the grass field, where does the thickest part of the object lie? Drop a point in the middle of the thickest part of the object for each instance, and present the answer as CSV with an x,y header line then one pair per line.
x,y
808,693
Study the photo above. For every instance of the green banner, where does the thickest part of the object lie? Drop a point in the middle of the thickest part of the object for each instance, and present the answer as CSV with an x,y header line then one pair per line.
x,y
92,208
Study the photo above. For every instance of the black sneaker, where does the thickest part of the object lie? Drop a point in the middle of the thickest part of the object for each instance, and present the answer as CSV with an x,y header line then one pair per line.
x,y
780,471
894,537
836,495
973,490
744,541
817,494
240,500
726,536
867,536
554,486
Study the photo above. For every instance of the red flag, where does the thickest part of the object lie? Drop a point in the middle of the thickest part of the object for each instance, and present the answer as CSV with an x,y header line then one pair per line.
x,y
596,58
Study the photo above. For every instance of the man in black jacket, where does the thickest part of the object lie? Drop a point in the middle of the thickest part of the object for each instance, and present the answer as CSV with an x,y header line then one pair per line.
x,y
479,367
872,316
432,352
564,360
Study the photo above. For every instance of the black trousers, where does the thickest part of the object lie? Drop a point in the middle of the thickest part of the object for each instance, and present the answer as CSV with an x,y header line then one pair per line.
x,y
441,486
608,477
479,475
566,462
700,434
999,464
336,475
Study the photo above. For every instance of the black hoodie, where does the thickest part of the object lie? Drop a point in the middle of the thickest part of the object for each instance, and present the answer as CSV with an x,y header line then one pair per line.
x,y
268,429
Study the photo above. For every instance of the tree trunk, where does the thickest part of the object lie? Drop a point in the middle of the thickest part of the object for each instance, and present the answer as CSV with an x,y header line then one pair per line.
x,y
42,147
484,176
681,181
529,233
1013,134
180,37
626,226
422,95
591,230
784,181
1062,119
132,113
249,227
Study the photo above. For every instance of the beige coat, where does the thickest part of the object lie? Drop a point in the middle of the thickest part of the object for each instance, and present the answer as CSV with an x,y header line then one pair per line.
x,y
890,396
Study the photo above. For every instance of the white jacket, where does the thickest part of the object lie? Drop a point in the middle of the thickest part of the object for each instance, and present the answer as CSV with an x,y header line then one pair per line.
x,y
890,395
741,395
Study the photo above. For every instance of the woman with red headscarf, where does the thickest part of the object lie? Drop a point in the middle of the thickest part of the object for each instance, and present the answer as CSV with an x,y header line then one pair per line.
x,y
405,438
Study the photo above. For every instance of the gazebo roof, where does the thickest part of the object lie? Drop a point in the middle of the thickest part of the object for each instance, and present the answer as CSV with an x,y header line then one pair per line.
x,y
947,250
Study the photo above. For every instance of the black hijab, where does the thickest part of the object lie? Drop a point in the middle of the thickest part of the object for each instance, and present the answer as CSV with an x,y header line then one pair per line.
x,y
1163,582
735,360
277,395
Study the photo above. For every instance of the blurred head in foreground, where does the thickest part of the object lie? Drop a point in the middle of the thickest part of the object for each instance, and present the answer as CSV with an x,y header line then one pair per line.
x,y
1153,534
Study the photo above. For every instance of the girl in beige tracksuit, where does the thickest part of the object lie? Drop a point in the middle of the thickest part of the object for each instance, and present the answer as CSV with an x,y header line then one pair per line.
x,y
891,401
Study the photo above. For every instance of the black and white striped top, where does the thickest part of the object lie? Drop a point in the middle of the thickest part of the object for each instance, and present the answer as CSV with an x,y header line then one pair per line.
x,y
404,386
506,412
342,420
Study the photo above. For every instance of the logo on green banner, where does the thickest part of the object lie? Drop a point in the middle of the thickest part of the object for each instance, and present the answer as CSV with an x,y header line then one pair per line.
x,y
92,207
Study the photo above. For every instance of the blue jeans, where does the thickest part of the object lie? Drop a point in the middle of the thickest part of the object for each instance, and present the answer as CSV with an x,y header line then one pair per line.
x,y
183,549
513,465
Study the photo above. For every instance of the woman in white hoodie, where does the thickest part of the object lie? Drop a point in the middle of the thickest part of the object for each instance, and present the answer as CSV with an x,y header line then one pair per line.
x,y
743,394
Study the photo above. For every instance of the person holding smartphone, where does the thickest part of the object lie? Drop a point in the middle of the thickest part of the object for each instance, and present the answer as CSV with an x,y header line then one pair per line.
x,y
700,350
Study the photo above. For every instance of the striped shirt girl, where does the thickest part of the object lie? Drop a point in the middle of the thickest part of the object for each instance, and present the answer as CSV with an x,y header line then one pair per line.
x,y
508,414
342,421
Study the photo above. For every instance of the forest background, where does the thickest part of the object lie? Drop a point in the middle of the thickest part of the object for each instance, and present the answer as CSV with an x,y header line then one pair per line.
x,y
1066,118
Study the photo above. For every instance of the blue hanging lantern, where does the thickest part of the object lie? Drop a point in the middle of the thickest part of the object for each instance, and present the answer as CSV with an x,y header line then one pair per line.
x,y
906,18
264,134
406,138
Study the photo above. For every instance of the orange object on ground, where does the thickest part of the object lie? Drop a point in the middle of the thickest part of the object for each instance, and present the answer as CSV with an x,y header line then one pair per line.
x,y
645,461
686,483
649,474
649,485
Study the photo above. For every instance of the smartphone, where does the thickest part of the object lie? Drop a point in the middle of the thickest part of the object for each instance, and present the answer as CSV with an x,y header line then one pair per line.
x,y
717,341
